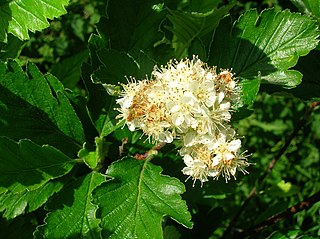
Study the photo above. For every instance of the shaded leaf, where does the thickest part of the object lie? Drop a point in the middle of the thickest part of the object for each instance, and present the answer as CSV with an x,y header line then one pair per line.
x,y
100,105
116,66
28,166
134,27
309,66
11,49
18,17
188,26
203,6
267,44
137,40
68,71
35,106
15,204
170,232
135,201
20,227
74,216
283,189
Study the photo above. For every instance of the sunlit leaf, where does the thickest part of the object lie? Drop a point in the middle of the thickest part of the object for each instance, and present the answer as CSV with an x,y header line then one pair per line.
x,y
75,215
134,202
20,16
267,44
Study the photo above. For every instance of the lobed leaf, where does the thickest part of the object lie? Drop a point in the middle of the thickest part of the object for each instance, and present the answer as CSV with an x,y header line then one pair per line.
x,y
14,204
19,16
68,71
139,28
116,66
249,91
36,107
74,214
309,66
267,44
188,26
28,166
309,7
133,203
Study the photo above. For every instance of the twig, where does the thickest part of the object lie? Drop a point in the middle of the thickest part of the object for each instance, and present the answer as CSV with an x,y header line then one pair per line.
x,y
309,202
156,148
298,127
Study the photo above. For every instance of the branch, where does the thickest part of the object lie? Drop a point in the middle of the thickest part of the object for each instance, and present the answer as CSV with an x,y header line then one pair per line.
x,y
302,122
309,202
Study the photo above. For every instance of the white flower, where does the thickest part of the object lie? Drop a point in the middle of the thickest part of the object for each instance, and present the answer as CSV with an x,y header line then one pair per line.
x,y
188,101
195,169
227,159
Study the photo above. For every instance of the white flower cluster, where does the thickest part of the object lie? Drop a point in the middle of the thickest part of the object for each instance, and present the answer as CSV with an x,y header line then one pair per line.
x,y
190,102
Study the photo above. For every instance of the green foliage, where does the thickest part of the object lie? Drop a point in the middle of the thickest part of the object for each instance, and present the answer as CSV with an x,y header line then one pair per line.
x,y
70,169
133,203
17,203
36,107
77,218
267,44
68,70
188,26
21,159
17,17
308,7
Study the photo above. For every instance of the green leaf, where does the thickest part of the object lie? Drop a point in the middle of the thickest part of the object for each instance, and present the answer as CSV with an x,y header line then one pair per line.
x,y
100,105
309,66
17,17
267,44
95,159
137,39
11,49
309,7
249,90
135,201
68,71
36,107
20,227
74,214
273,209
203,6
283,189
28,166
137,24
188,26
288,234
170,232
16,204
116,66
